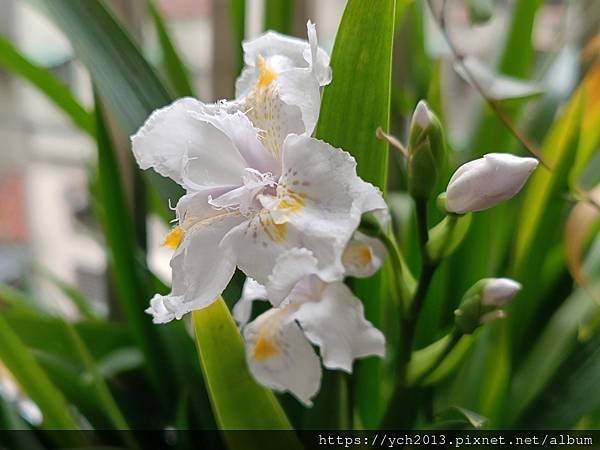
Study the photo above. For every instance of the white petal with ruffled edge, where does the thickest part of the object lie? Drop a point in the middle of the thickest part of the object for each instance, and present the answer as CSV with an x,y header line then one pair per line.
x,y
280,357
336,324
363,256
163,140
251,292
200,146
201,268
290,267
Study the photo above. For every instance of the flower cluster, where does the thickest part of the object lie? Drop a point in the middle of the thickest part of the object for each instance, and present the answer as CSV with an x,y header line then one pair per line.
x,y
265,196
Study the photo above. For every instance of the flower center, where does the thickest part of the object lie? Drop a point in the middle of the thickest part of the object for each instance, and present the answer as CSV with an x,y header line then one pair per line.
x,y
244,198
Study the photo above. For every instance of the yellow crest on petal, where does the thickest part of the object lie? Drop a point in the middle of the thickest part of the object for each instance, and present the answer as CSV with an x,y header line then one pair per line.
x,y
357,254
265,75
174,238
264,349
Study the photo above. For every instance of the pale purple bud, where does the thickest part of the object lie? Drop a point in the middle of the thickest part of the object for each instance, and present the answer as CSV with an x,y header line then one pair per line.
x,y
500,291
483,183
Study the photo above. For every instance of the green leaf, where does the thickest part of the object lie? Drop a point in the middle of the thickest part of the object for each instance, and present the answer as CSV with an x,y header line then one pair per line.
x,y
238,402
278,15
119,231
174,66
13,60
33,380
354,105
571,394
541,363
555,344
457,417
544,200
126,81
358,99
72,293
423,359
107,402
237,13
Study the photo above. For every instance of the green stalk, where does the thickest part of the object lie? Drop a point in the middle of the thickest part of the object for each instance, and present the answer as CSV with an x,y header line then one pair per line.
x,y
451,343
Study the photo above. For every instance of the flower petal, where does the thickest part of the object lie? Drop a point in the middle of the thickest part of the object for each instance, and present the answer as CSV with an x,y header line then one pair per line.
x,y
251,292
336,324
363,256
162,142
280,85
290,267
230,118
215,157
323,199
299,88
319,59
201,268
280,357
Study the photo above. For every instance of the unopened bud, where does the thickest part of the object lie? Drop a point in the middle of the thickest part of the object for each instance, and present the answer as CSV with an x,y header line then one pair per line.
x,y
499,292
482,303
487,181
426,151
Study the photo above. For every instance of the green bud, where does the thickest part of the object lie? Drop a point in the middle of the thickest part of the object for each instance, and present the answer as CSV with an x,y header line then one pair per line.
x,y
426,152
483,303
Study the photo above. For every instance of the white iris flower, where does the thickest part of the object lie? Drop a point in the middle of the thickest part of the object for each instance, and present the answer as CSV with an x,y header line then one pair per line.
x,y
279,342
254,188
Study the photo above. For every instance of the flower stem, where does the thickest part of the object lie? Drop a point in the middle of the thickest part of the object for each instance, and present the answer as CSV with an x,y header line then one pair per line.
x,y
409,319
453,340
422,229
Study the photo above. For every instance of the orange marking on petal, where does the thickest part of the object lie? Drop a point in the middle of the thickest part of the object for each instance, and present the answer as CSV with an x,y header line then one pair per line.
x,y
264,349
174,238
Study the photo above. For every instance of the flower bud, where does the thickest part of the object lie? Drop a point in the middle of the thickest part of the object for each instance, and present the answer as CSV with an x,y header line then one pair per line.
x,y
426,151
487,181
482,303
499,292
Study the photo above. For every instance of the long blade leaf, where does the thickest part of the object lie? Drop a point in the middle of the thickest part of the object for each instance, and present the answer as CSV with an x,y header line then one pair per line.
x,y
238,401
354,105
173,65
33,380
13,60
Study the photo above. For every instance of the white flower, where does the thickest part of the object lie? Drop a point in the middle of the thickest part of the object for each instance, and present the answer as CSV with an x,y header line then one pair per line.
x,y
499,292
328,315
244,205
487,181
279,88
257,184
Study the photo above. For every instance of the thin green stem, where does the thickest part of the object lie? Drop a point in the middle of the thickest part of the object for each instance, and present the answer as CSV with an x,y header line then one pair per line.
x,y
409,318
398,266
422,229
453,340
